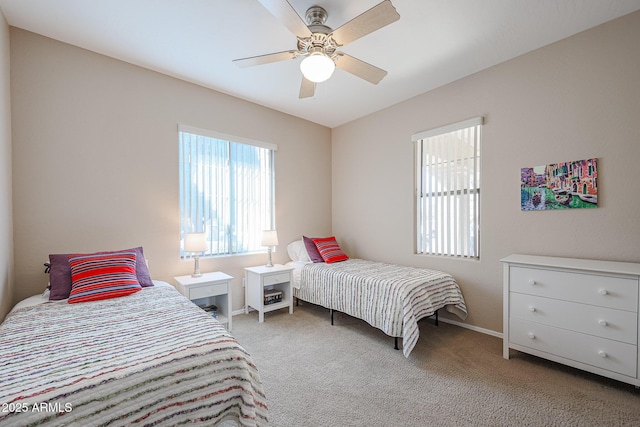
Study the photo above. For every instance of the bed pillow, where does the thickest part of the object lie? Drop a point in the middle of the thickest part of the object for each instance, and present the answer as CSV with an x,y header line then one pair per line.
x,y
297,251
312,250
102,276
329,250
59,277
60,273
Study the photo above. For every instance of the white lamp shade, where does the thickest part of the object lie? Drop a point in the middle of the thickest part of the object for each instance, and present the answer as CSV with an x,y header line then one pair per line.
x,y
195,242
269,238
317,67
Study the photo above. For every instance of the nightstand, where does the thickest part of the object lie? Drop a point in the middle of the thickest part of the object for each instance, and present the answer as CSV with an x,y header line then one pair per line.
x,y
209,289
275,281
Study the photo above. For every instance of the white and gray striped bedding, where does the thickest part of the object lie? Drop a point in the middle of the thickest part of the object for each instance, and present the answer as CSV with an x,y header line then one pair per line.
x,y
151,358
389,297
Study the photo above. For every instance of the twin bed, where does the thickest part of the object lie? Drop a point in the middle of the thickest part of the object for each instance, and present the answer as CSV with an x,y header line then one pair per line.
x,y
149,358
392,298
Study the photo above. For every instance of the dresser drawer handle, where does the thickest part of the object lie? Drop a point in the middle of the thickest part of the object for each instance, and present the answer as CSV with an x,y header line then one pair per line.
x,y
531,335
532,309
532,282
602,353
602,322
603,292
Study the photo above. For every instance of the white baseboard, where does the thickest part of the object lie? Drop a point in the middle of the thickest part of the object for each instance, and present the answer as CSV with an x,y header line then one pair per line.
x,y
235,313
473,328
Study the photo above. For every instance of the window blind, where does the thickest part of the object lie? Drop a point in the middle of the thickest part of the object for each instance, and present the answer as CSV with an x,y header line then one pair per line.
x,y
226,191
448,189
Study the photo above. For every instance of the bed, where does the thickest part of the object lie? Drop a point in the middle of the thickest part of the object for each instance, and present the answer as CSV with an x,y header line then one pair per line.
x,y
392,298
149,358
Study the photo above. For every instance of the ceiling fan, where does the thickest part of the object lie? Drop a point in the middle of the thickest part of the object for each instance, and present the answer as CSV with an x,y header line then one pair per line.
x,y
319,44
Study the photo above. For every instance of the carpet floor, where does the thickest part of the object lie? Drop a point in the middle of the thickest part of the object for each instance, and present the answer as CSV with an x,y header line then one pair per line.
x,y
318,375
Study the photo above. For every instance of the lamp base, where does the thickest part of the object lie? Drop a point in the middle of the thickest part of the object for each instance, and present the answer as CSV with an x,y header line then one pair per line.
x,y
269,263
196,267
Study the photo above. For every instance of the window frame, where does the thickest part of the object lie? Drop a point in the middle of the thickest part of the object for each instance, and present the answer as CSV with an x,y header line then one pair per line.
x,y
186,225
450,216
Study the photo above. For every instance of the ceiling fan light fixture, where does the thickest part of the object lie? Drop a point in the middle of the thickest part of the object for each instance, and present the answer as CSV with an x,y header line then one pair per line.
x,y
317,67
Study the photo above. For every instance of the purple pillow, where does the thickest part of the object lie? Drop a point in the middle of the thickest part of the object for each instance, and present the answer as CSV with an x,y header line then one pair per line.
x,y
59,277
60,273
312,250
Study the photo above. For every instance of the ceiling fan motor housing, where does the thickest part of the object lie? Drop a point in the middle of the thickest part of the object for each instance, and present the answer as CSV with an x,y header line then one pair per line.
x,y
320,40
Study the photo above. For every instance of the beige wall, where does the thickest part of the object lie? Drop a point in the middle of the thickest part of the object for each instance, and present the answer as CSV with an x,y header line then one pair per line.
x,y
6,227
96,161
575,99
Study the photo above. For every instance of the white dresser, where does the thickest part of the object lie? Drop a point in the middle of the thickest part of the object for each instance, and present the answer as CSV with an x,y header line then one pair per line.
x,y
582,313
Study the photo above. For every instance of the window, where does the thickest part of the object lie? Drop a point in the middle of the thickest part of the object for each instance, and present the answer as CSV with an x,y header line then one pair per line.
x,y
448,190
226,190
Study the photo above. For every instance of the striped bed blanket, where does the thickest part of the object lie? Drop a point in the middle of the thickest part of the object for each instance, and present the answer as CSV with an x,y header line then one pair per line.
x,y
151,358
389,297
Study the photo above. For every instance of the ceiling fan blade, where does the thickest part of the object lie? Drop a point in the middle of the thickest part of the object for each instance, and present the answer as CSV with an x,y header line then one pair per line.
x,y
265,59
286,14
307,88
359,68
371,20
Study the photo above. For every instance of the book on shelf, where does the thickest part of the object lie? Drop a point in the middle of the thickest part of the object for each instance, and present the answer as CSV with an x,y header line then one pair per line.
x,y
212,310
272,296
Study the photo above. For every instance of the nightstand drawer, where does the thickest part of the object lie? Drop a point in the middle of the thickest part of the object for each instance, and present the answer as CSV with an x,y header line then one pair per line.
x,y
207,291
276,278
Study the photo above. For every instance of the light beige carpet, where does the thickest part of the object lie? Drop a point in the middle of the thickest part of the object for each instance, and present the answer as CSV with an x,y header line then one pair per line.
x,y
348,374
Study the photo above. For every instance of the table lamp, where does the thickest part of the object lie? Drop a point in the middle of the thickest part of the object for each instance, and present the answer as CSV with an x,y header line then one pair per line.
x,y
195,243
269,239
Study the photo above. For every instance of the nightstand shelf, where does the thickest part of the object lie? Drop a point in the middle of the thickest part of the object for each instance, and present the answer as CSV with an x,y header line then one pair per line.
x,y
209,289
261,278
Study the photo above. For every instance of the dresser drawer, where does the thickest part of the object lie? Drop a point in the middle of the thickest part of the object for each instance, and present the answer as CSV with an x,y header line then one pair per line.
x,y
599,352
207,290
599,321
276,278
604,291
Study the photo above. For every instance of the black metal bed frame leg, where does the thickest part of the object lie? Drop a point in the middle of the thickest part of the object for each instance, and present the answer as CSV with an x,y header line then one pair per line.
x,y
395,347
297,301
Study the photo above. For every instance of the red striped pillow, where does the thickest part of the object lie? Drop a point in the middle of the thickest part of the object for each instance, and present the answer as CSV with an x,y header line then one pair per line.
x,y
102,276
329,250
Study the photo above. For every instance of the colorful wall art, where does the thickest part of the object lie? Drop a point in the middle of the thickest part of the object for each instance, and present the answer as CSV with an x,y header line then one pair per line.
x,y
559,186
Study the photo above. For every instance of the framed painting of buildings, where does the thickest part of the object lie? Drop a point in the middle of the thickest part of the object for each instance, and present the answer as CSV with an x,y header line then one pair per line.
x,y
567,185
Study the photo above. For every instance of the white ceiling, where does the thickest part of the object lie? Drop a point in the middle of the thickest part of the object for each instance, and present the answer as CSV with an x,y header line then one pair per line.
x,y
434,42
